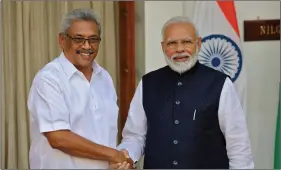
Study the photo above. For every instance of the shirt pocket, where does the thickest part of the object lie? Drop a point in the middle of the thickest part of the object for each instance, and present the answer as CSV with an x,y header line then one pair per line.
x,y
206,118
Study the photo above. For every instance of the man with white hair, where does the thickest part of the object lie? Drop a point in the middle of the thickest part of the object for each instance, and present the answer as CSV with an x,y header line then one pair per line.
x,y
73,103
186,115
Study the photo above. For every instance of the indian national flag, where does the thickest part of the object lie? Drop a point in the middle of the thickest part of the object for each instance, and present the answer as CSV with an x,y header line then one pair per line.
x,y
221,47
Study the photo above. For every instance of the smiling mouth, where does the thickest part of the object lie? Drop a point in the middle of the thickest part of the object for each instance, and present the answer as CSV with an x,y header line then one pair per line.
x,y
85,54
181,58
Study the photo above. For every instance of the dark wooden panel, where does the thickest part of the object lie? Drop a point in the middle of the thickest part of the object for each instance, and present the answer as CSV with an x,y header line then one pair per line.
x,y
262,30
126,58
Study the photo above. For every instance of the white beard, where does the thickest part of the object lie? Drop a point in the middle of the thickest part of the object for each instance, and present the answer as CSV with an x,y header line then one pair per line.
x,y
183,66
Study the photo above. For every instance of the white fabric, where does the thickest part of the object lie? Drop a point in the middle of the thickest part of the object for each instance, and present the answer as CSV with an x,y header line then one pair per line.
x,y
231,119
62,98
209,19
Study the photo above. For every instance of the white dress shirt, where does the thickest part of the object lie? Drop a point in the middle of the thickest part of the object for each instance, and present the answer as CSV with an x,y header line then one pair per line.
x,y
62,98
231,120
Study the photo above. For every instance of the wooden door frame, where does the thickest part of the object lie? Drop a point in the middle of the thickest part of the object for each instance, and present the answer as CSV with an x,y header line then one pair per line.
x,y
126,62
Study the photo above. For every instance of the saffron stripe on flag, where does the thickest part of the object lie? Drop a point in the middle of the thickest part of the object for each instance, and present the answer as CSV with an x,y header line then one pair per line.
x,y
229,12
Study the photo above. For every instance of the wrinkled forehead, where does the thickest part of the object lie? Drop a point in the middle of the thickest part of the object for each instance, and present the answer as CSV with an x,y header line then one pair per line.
x,y
179,31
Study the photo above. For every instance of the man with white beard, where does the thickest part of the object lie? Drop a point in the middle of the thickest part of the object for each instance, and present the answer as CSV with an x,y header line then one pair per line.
x,y
186,115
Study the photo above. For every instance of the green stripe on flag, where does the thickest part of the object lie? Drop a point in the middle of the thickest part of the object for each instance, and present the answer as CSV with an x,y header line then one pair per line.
x,y
277,136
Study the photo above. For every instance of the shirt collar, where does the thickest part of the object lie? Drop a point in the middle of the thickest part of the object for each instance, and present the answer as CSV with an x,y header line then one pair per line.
x,y
70,69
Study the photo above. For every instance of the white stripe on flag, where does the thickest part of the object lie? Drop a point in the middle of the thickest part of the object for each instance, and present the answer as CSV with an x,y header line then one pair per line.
x,y
221,46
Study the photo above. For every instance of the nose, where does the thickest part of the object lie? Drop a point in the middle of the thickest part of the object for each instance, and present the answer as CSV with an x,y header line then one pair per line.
x,y
86,45
180,48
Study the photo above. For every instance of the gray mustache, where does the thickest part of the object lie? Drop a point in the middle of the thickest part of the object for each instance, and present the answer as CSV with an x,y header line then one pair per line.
x,y
84,51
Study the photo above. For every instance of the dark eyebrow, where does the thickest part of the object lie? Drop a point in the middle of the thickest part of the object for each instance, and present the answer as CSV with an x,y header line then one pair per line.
x,y
77,35
94,36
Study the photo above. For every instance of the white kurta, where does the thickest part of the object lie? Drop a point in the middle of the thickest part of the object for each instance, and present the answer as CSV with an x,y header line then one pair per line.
x,y
62,98
231,120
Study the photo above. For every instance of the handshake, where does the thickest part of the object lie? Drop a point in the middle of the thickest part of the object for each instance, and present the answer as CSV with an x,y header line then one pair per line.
x,y
121,160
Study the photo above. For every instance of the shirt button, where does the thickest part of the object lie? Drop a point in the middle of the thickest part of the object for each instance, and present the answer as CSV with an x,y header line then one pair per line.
x,y
179,83
178,102
176,142
177,122
175,162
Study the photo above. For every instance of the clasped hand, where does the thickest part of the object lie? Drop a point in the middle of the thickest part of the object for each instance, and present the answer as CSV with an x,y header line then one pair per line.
x,y
123,161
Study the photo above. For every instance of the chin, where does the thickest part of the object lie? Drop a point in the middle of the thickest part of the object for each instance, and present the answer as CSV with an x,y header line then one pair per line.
x,y
82,65
86,64
86,61
181,67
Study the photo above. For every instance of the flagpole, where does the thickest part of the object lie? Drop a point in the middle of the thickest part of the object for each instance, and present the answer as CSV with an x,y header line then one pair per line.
x,y
277,148
1,87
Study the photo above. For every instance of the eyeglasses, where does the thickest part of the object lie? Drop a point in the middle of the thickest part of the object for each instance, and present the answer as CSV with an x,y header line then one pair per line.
x,y
173,44
81,40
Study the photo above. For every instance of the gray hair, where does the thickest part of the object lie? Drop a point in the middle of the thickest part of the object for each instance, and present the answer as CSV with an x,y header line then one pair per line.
x,y
79,14
179,19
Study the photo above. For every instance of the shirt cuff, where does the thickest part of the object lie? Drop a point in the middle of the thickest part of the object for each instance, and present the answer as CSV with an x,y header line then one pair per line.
x,y
54,127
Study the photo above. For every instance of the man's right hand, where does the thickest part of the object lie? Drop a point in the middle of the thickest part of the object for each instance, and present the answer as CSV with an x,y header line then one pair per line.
x,y
123,165
120,157
75,145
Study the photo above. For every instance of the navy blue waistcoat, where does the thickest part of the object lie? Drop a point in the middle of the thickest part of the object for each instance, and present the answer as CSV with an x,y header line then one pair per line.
x,y
182,119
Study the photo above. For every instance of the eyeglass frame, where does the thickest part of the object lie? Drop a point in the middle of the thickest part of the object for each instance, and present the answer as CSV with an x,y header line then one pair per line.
x,y
98,39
